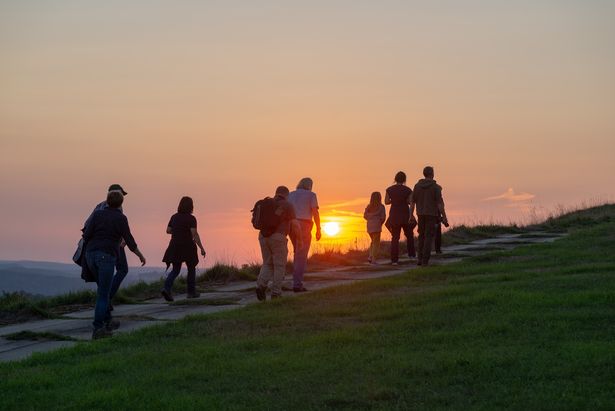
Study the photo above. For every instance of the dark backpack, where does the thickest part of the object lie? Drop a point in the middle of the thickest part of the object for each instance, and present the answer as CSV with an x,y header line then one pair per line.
x,y
264,216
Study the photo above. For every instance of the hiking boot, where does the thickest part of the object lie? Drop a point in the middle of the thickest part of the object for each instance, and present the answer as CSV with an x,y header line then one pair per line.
x,y
194,295
101,333
301,289
274,296
167,295
112,325
261,293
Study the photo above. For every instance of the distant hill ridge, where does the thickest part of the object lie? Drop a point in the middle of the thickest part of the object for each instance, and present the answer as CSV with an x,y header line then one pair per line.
x,y
52,278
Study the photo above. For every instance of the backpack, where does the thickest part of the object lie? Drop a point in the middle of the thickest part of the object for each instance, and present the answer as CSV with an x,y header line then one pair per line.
x,y
264,216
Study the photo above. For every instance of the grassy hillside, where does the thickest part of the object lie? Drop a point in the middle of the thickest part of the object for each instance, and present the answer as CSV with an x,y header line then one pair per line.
x,y
526,329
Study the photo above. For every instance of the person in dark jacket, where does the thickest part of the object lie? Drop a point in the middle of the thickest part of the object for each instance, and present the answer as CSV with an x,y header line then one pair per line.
x,y
400,218
182,248
121,263
429,204
103,235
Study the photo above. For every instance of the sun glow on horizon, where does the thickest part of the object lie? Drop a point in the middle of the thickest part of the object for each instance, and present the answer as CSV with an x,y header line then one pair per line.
x,y
331,228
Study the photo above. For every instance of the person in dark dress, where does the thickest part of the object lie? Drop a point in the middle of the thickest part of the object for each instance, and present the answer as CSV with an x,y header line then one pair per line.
x,y
182,248
399,196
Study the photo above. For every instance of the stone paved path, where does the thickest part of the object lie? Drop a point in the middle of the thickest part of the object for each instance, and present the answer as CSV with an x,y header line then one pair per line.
x,y
78,325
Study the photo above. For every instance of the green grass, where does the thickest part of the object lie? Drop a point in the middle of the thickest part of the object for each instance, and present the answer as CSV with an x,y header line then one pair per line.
x,y
17,306
527,329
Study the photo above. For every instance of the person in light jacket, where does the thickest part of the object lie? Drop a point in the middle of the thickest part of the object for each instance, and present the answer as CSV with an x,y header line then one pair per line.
x,y
375,214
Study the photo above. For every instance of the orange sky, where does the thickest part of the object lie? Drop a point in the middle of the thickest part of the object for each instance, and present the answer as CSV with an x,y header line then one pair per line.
x,y
512,103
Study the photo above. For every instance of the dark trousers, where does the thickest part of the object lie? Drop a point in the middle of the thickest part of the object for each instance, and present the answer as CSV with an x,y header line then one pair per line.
x,y
190,278
438,239
427,230
101,264
395,234
121,269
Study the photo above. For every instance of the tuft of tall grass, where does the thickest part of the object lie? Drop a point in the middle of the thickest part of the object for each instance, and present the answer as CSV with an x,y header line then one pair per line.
x,y
223,273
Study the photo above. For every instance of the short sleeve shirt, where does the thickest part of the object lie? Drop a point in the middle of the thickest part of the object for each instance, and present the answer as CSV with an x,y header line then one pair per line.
x,y
180,224
304,202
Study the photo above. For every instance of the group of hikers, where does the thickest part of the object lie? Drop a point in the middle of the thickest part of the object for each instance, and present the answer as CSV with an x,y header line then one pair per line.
x,y
293,214
106,233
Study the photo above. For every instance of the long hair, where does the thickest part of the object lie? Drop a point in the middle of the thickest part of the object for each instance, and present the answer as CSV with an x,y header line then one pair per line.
x,y
305,183
186,205
375,201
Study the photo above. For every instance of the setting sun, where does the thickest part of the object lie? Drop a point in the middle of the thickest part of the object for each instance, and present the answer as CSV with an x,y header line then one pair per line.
x,y
331,228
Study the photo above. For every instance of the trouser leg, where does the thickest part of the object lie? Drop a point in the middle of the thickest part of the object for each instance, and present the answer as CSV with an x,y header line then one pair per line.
x,y
375,246
121,270
266,272
409,233
301,254
279,251
395,233
103,264
168,283
191,279
421,240
430,231
438,238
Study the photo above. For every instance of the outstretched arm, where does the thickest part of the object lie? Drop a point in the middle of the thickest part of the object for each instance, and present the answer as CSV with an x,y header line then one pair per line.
x,y
316,217
443,213
130,241
140,255
197,239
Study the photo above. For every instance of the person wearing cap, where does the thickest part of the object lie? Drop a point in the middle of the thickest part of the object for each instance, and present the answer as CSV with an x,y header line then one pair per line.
x,y
105,231
121,263
274,246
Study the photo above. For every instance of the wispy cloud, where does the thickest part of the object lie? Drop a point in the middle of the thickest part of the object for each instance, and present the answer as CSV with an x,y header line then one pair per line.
x,y
345,213
349,203
510,195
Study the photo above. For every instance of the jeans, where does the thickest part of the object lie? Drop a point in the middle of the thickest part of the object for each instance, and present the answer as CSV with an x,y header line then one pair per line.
x,y
374,247
102,264
121,270
395,234
275,253
301,254
427,231
190,278
438,239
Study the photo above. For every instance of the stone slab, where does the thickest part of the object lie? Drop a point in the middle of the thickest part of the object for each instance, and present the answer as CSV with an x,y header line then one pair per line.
x,y
19,350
